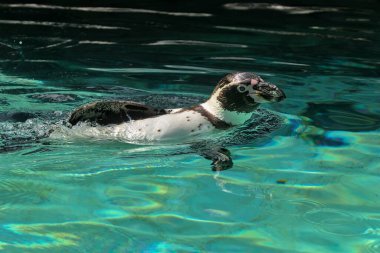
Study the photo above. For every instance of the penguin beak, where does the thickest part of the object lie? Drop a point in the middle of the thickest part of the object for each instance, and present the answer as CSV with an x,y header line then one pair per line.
x,y
268,92
276,95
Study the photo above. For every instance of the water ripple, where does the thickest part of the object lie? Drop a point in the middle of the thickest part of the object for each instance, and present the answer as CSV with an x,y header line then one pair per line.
x,y
18,80
336,222
54,44
294,207
233,58
96,42
8,46
16,191
256,30
194,43
341,116
196,68
61,24
68,236
372,246
91,42
105,9
278,7
291,63
146,70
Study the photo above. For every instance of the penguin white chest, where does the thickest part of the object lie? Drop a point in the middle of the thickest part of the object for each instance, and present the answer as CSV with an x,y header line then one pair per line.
x,y
168,127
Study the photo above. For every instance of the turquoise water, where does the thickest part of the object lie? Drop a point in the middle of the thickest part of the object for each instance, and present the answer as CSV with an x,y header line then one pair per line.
x,y
310,186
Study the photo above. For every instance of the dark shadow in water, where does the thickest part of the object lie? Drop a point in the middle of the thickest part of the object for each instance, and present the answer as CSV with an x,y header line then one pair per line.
x,y
341,116
16,116
324,140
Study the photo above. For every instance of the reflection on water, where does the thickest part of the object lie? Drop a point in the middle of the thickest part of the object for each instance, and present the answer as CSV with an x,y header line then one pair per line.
x,y
279,7
61,25
308,34
103,9
193,43
311,186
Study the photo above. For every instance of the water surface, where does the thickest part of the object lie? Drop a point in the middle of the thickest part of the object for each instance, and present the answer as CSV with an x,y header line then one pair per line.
x,y
312,186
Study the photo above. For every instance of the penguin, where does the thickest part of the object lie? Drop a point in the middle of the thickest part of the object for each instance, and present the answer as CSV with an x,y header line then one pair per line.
x,y
232,103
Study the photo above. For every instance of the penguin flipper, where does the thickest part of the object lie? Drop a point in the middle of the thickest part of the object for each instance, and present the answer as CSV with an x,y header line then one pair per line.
x,y
220,156
113,112
222,160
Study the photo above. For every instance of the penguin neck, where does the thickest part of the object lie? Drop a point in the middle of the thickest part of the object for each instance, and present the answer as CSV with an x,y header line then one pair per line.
x,y
213,106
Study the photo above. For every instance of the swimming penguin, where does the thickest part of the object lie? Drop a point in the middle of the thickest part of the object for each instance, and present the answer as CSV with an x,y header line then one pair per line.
x,y
232,103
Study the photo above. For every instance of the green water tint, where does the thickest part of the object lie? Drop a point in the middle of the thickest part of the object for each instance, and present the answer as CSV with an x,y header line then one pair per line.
x,y
309,186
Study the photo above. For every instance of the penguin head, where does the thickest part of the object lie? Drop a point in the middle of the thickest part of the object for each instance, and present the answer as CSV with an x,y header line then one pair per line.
x,y
243,92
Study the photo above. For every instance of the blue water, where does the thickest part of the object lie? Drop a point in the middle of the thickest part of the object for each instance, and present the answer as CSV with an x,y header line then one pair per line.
x,y
309,186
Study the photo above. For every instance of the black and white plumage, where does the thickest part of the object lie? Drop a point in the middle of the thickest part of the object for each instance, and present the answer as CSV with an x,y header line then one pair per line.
x,y
234,99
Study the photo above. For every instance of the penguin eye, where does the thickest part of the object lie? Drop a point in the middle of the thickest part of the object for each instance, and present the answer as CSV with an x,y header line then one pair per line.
x,y
241,88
